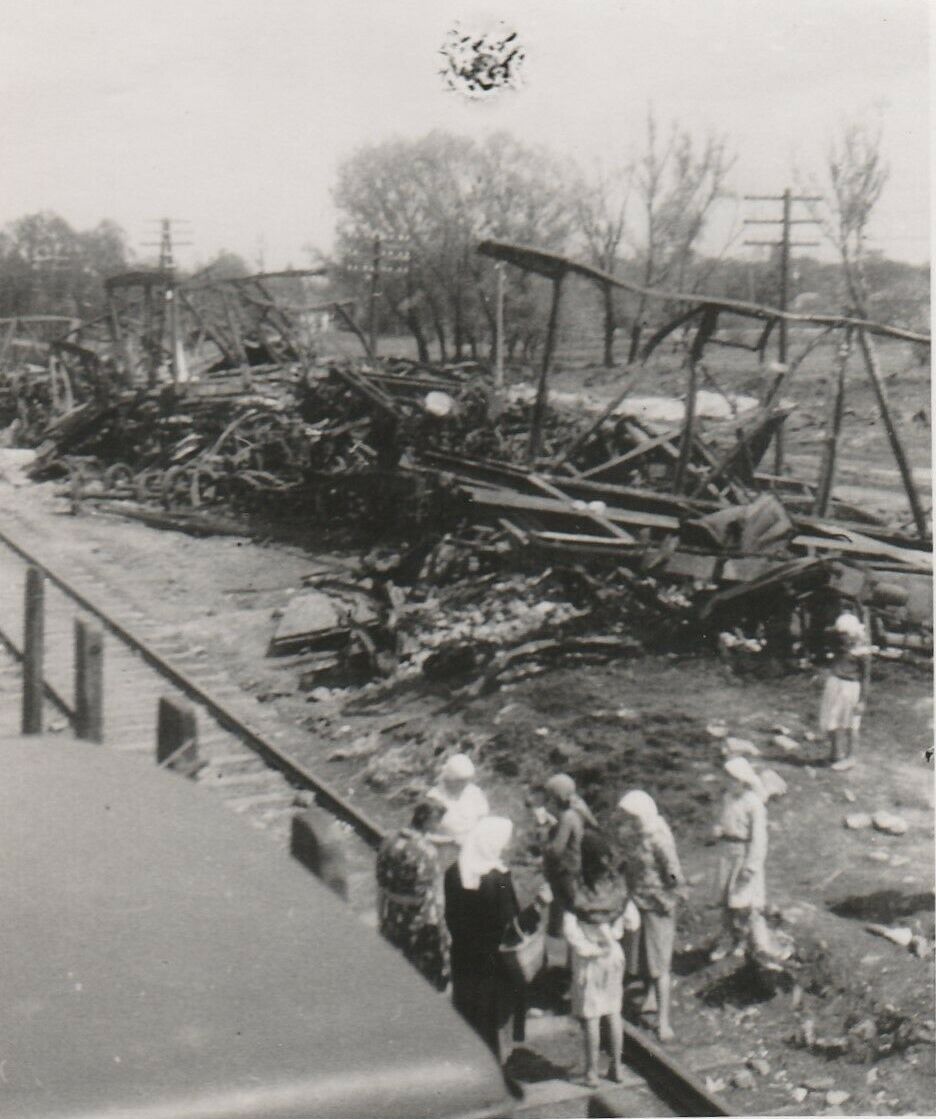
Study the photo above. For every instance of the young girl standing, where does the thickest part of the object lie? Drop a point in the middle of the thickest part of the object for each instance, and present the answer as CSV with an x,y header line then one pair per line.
x,y
593,928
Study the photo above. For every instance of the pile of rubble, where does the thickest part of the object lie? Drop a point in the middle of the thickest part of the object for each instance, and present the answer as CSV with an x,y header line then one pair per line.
x,y
517,532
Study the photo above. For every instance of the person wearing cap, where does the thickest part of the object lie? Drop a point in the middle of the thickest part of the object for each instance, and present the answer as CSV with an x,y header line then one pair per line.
x,y
409,895
567,818
655,884
463,801
742,832
841,708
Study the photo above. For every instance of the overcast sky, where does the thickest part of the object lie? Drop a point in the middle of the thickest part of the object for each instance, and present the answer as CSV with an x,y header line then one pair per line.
x,y
234,114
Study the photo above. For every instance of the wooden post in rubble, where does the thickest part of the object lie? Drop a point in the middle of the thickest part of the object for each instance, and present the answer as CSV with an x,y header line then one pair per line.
x,y
833,427
707,327
542,390
33,649
869,354
685,446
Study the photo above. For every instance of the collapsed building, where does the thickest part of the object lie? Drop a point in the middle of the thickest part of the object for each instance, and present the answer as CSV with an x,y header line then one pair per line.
x,y
544,531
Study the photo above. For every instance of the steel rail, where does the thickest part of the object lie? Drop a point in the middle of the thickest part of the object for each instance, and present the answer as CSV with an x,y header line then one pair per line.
x,y
294,770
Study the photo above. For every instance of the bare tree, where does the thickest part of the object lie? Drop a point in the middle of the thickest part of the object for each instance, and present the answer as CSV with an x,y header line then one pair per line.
x,y
857,175
601,215
676,183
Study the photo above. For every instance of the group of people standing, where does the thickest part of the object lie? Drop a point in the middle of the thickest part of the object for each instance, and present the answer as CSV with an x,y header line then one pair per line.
x,y
447,898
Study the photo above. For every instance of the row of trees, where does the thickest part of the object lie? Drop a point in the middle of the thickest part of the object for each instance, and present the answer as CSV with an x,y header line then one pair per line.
x,y
46,267
419,207
49,268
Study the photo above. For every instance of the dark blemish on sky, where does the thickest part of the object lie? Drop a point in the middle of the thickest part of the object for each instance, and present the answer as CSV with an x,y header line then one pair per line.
x,y
480,63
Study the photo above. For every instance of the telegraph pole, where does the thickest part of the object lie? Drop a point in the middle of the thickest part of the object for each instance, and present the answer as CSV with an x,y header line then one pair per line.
x,y
499,327
785,244
372,301
166,248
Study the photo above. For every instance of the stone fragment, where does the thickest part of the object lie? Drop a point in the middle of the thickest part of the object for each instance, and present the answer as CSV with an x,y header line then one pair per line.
x,y
878,856
759,1065
740,746
889,823
849,796
743,1078
799,1094
855,821
785,742
717,730
900,935
836,1097
819,1084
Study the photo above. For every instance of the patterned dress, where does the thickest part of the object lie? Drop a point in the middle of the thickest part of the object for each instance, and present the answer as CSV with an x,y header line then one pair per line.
x,y
653,875
409,903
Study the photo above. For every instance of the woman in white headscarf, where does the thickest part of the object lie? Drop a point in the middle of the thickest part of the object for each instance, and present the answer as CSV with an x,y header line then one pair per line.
x,y
655,883
742,833
480,907
464,802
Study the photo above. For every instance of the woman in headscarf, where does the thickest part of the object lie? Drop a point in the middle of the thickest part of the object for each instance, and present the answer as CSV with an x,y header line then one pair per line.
x,y
840,711
463,801
480,907
655,883
742,832
562,858
409,895
593,930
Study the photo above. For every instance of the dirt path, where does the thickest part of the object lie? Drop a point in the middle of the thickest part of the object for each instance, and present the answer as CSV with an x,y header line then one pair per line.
x,y
638,722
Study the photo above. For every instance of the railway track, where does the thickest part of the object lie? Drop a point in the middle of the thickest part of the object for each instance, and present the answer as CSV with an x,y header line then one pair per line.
x,y
247,767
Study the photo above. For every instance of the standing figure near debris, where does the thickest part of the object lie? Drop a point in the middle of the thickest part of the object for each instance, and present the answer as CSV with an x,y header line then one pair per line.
x,y
841,709
655,883
568,817
593,929
463,801
480,907
409,895
742,832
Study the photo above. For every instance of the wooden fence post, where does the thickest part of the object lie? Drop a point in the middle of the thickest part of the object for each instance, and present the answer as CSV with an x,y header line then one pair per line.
x,y
33,650
89,682
177,736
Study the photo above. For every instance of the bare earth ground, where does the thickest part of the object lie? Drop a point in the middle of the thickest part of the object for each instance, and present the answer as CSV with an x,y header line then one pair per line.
x,y
640,722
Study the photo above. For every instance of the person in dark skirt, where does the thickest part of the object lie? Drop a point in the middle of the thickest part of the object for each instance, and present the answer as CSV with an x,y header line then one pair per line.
x,y
480,908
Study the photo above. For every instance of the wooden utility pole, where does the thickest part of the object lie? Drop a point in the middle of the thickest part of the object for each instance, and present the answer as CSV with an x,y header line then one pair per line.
x,y
499,327
167,268
785,244
372,298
